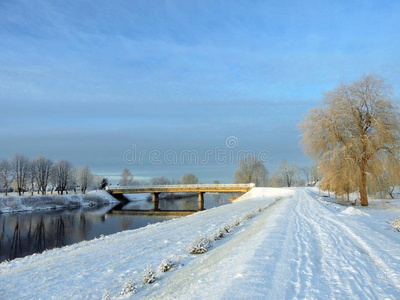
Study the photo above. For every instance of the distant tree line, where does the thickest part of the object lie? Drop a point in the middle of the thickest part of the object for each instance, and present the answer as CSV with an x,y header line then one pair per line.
x,y
126,179
252,170
41,175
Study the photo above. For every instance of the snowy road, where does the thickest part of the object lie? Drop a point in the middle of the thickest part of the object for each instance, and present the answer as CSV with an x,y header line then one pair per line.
x,y
298,248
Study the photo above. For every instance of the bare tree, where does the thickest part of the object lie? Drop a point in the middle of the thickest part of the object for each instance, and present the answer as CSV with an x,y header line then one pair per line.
x,y
62,173
32,176
160,181
20,169
5,175
277,181
98,182
188,179
315,174
358,128
306,172
85,178
126,178
72,180
43,169
288,173
251,170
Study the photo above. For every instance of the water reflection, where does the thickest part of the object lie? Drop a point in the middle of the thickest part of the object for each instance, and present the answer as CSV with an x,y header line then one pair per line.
x,y
27,233
187,203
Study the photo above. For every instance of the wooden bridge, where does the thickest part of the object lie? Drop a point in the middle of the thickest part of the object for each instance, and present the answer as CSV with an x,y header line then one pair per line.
x,y
200,189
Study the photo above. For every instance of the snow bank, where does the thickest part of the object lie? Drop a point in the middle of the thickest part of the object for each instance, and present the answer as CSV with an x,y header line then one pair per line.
x,y
11,204
85,269
353,211
260,192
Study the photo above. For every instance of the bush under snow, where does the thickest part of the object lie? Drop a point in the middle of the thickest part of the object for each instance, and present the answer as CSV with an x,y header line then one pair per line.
x,y
396,224
128,288
165,265
106,296
219,234
149,276
200,245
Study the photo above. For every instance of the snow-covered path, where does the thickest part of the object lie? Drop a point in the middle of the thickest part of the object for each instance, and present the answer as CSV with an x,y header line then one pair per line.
x,y
298,248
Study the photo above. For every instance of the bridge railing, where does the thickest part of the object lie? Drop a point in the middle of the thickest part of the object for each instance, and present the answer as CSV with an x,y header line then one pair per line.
x,y
182,186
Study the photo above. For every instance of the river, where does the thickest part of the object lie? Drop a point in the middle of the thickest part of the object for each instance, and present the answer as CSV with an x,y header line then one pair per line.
x,y
23,234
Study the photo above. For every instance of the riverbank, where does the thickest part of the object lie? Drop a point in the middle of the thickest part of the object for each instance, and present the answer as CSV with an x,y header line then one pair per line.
x,y
269,244
25,203
86,269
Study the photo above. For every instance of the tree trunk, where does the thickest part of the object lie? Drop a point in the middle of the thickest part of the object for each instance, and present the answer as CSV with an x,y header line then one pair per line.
x,y
363,186
391,192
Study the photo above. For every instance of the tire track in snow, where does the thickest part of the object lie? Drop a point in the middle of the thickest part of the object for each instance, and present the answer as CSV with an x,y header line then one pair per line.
x,y
299,250
308,254
353,266
194,278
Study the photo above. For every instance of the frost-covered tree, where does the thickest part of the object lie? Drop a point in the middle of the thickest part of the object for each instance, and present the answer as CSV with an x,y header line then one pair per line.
x,y
5,175
288,173
315,174
32,176
358,128
98,182
160,181
126,178
251,170
20,171
188,179
306,172
42,170
85,178
63,174
277,181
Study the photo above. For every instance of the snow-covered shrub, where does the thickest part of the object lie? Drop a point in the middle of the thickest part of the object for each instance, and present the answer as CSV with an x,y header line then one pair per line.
x,y
149,275
228,228
165,265
237,222
106,296
396,224
250,215
200,245
128,288
219,234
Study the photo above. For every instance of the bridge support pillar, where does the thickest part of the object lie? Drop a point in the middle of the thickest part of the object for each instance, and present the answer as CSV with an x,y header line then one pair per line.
x,y
155,201
201,201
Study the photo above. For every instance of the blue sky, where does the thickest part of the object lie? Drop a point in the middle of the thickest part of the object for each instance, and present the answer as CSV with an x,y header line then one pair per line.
x,y
86,80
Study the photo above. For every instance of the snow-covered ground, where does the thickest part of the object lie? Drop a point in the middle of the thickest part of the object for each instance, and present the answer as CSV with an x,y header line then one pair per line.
x,y
299,247
14,203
